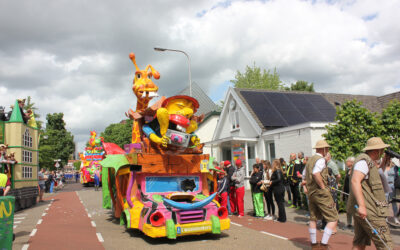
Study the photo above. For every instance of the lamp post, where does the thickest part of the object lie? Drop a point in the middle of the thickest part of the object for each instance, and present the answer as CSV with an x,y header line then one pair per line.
x,y
181,51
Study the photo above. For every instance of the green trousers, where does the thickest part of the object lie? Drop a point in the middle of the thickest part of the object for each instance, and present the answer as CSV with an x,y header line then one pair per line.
x,y
258,204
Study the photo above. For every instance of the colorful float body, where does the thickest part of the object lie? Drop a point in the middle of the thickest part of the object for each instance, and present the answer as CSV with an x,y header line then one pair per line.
x,y
90,159
158,183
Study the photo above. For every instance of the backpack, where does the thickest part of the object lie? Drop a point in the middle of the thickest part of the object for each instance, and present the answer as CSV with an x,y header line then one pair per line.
x,y
396,178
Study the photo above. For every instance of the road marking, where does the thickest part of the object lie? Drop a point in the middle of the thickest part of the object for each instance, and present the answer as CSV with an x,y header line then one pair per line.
x,y
93,224
25,247
43,214
17,222
236,224
99,237
47,209
274,235
52,199
14,227
19,218
89,216
39,221
33,232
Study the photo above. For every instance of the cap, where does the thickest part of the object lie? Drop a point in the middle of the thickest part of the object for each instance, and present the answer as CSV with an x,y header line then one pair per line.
x,y
227,163
238,162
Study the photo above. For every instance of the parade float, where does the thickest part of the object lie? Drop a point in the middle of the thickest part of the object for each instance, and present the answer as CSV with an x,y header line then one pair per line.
x,y
158,183
19,153
90,159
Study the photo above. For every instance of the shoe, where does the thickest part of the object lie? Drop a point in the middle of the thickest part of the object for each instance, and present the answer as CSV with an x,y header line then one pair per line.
x,y
289,202
324,246
240,216
349,226
292,206
298,207
268,217
396,221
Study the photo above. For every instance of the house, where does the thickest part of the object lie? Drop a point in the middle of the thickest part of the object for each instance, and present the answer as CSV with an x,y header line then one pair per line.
x,y
272,124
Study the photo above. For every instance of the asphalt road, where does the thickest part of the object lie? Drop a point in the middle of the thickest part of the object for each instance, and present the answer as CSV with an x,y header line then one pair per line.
x,y
245,233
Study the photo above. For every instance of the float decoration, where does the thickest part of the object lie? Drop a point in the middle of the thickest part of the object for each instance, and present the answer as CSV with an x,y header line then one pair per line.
x,y
90,159
158,183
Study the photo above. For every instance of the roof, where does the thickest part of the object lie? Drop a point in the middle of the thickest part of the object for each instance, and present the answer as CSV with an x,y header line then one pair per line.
x,y
275,109
206,104
16,115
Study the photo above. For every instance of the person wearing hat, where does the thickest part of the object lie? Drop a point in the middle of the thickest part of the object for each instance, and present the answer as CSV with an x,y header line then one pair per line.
x,y
367,193
230,170
223,188
321,204
238,180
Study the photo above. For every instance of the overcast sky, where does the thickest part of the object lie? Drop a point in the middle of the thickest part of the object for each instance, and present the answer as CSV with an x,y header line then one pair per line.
x,y
71,56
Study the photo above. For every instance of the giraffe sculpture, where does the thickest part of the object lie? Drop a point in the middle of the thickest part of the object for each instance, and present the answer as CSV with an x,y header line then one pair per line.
x,y
144,89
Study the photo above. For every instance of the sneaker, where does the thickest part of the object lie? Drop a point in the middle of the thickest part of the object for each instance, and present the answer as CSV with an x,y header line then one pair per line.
x,y
289,202
268,217
298,207
292,206
349,226
240,216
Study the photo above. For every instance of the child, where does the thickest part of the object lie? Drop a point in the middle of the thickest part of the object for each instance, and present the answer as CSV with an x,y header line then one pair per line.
x,y
223,188
257,194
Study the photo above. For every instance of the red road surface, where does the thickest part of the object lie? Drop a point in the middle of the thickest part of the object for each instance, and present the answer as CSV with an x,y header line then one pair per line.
x,y
65,226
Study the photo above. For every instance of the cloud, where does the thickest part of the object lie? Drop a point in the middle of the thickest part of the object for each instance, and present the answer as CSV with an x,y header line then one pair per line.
x,y
72,56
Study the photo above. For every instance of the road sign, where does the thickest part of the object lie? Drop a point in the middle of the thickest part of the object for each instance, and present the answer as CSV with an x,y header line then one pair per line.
x,y
57,165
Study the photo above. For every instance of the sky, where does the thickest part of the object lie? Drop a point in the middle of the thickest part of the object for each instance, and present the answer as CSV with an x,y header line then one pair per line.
x,y
72,56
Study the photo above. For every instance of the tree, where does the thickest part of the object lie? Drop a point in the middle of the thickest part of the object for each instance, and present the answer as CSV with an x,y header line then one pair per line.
x,y
31,105
59,143
77,165
253,78
390,121
118,133
301,86
354,126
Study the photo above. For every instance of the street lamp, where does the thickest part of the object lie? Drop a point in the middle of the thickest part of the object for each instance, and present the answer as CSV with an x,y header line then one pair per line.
x,y
181,51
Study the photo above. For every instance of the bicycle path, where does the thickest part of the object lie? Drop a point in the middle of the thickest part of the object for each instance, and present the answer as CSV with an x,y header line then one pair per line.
x,y
65,225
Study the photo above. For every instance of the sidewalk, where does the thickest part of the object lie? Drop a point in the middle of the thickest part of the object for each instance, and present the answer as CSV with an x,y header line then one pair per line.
x,y
65,225
296,229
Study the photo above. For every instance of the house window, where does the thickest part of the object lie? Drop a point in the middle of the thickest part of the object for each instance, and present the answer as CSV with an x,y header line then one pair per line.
x,y
26,172
234,115
270,148
27,156
27,139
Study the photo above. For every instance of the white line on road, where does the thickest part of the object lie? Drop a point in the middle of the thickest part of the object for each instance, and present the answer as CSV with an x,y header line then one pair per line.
x,y
17,222
39,221
100,237
43,214
19,218
47,209
33,232
274,235
14,227
25,247
93,224
233,223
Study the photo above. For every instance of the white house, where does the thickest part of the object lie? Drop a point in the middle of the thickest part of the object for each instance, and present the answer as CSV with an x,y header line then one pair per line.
x,y
273,124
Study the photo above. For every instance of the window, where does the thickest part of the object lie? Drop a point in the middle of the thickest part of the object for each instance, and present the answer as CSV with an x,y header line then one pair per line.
x,y
26,172
270,150
234,115
27,139
27,156
161,184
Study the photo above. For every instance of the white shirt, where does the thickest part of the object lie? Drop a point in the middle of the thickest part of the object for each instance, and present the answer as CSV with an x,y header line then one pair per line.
x,y
319,165
362,167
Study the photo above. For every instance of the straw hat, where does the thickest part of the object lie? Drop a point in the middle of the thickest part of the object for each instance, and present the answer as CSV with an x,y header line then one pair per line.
x,y
375,143
321,144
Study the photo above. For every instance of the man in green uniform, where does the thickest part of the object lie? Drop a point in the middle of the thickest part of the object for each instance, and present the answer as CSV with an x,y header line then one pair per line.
x,y
321,204
367,192
294,181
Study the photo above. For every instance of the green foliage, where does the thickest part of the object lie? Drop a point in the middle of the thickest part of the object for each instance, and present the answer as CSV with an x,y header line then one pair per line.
x,y
301,86
220,105
254,78
118,133
77,165
55,142
390,121
354,126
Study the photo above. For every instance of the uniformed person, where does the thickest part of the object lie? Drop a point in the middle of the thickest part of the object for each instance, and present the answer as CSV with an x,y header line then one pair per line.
x,y
321,204
294,180
367,192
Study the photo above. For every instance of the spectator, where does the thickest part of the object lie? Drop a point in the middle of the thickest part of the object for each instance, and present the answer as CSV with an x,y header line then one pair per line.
x,y
76,176
268,195
96,178
52,180
42,186
332,165
285,180
223,188
230,170
346,187
256,181
5,184
294,180
278,189
238,180
390,174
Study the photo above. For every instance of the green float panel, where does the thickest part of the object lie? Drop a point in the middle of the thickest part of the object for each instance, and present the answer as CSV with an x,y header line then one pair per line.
x,y
6,221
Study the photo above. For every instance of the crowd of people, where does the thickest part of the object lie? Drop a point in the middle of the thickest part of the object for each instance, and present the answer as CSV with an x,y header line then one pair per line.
x,y
369,185
49,181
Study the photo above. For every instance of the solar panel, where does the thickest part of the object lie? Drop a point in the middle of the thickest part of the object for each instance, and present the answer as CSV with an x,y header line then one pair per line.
x,y
282,109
